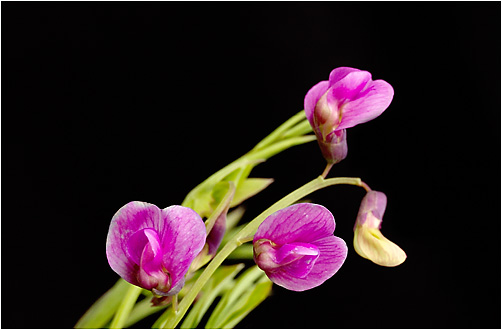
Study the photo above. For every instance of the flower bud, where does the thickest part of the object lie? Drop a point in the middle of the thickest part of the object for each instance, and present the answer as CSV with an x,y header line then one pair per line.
x,y
369,242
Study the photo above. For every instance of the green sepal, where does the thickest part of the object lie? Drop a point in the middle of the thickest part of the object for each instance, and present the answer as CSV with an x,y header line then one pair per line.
x,y
212,289
102,311
249,188
238,302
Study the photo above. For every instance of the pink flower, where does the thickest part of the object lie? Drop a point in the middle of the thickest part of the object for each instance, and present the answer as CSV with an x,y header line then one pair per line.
x,y
153,248
348,98
296,248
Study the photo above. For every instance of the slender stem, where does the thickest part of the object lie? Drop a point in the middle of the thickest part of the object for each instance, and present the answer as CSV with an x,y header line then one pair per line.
x,y
276,134
245,233
125,307
327,169
365,186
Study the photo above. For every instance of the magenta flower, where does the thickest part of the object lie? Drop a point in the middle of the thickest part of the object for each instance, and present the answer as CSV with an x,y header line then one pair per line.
x,y
153,248
348,98
296,248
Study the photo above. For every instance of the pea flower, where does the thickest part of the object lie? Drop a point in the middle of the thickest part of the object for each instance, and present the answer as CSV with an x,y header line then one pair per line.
x,y
369,242
350,97
153,248
296,248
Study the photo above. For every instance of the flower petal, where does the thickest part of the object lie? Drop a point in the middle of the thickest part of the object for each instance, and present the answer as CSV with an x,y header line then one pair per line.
x,y
368,104
348,88
303,222
369,243
332,254
339,73
128,220
182,239
313,95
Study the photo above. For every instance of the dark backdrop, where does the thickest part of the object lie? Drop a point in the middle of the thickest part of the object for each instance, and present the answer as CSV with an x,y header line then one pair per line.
x,y
105,103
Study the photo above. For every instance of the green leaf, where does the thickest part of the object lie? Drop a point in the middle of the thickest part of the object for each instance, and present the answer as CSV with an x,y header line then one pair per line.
x,y
249,188
229,303
234,217
125,307
244,251
277,147
102,311
223,193
279,131
247,302
220,279
141,310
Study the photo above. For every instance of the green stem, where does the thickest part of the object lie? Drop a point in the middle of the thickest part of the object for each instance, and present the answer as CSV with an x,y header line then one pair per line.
x,y
125,307
247,231
326,170
276,134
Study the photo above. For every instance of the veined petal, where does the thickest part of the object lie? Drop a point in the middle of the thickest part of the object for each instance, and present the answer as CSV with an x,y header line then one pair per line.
x,y
313,95
128,220
349,87
367,105
332,254
182,239
303,222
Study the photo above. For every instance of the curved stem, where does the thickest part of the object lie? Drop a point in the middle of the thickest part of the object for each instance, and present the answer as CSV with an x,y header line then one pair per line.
x,y
365,186
172,319
326,170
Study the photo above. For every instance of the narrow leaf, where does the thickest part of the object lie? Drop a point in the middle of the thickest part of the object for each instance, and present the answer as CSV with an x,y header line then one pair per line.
x,y
247,302
102,311
244,251
249,188
276,134
141,310
210,291
226,305
125,307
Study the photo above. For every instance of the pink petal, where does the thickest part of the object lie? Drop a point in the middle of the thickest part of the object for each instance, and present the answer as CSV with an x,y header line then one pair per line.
x,y
304,222
313,95
369,104
349,87
128,220
339,73
332,254
182,239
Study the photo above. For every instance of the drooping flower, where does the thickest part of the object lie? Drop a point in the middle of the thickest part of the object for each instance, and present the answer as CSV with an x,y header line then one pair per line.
x,y
369,242
153,248
350,97
296,247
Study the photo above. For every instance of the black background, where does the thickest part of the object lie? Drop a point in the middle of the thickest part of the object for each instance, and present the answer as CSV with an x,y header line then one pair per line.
x,y
107,102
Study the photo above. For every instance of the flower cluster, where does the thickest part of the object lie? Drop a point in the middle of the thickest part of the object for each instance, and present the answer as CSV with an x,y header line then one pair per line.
x,y
156,249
